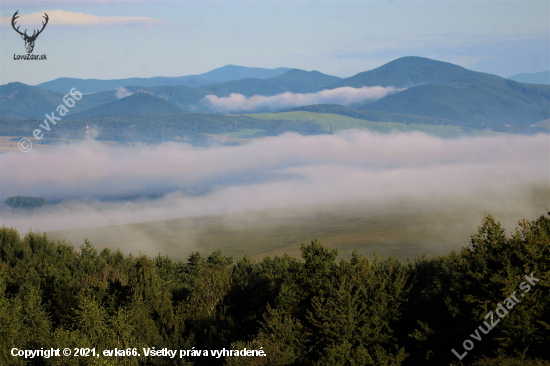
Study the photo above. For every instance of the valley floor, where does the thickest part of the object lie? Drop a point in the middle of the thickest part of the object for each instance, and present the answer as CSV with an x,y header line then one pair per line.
x,y
399,229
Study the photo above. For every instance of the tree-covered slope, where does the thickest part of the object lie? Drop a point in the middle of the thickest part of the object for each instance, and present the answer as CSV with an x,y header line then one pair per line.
x,y
33,101
374,116
156,128
494,293
36,102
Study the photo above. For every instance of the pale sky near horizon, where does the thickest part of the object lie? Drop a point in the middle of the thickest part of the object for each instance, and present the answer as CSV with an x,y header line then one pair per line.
x,y
121,39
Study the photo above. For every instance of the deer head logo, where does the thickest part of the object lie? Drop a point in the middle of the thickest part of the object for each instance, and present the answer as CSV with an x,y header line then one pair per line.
x,y
29,40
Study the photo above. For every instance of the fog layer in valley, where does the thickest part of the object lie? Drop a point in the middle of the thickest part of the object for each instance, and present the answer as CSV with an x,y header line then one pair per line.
x,y
90,184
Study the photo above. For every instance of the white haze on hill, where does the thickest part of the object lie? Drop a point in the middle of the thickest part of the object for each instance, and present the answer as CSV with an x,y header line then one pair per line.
x,y
345,95
122,92
285,172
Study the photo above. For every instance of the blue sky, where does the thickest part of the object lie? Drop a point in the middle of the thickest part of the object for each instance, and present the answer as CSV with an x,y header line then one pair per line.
x,y
121,39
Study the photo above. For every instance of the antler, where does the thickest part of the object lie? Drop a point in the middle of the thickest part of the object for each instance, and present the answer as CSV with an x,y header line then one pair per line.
x,y
43,26
15,16
34,34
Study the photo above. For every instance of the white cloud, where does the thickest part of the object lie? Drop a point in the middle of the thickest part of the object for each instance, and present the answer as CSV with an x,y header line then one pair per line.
x,y
68,18
344,95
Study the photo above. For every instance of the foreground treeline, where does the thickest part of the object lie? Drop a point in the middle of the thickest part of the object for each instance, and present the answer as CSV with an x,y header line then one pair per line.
x,y
314,311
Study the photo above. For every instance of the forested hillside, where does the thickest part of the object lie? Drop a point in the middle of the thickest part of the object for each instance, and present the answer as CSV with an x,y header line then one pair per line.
x,y
313,311
374,116
472,103
156,128
36,102
19,100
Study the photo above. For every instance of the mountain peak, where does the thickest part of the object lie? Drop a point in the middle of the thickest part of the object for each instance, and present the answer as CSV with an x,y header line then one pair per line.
x,y
413,70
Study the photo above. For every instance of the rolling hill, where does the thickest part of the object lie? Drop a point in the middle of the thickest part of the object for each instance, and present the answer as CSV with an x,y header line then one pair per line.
x,y
409,71
133,104
542,77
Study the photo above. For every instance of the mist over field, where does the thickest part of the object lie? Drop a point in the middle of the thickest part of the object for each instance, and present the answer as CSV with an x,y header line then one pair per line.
x,y
89,184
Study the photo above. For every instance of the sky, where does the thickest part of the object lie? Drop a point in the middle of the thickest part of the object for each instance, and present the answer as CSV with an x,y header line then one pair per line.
x,y
121,39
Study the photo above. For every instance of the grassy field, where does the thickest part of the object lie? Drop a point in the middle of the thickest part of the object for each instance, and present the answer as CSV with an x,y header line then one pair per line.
x,y
401,230
335,122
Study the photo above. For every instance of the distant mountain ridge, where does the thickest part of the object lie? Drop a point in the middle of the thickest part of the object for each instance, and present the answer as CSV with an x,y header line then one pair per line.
x,y
542,77
435,92
234,72
222,74
88,86
294,81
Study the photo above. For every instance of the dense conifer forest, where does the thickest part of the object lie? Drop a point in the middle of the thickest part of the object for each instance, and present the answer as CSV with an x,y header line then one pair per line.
x,y
317,310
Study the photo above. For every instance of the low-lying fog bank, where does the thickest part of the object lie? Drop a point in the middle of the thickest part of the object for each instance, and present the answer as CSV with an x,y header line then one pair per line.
x,y
97,185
